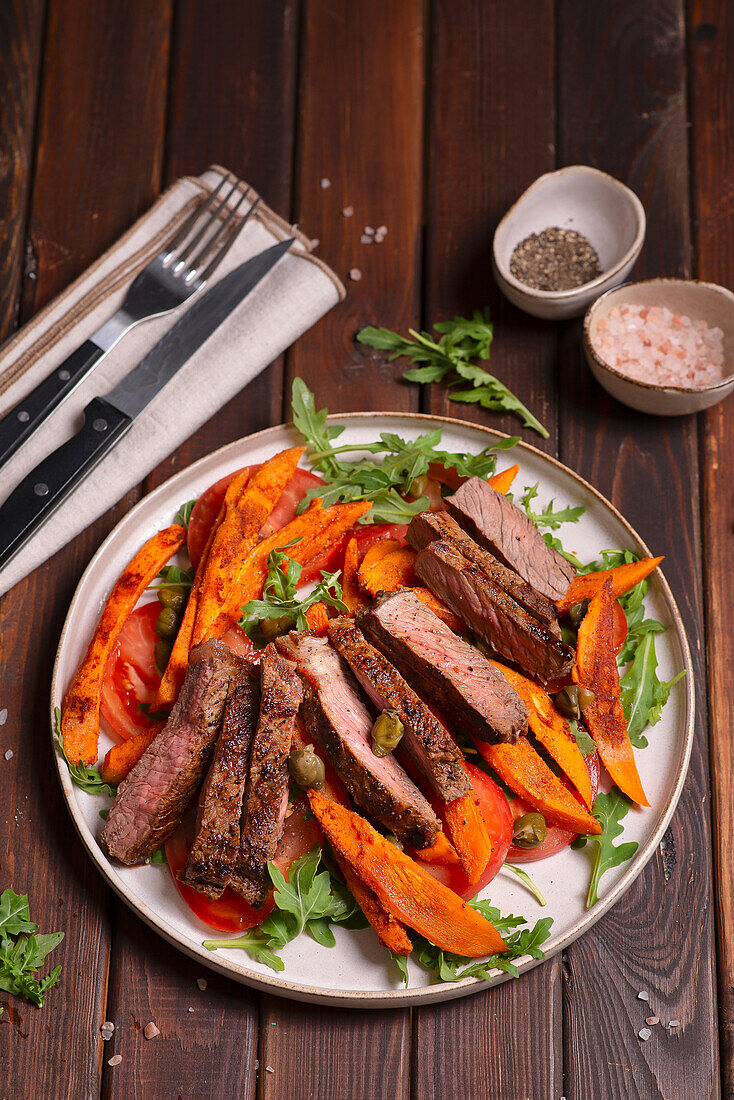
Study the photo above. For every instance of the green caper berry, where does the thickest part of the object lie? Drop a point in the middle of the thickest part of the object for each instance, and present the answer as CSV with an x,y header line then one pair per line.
x,y
386,733
173,596
391,839
162,652
577,611
166,625
307,769
529,831
586,698
567,701
418,486
273,628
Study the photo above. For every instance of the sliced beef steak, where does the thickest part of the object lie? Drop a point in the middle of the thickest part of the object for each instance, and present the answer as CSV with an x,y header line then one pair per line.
x,y
266,798
502,528
151,801
491,613
215,850
426,740
428,527
444,667
339,720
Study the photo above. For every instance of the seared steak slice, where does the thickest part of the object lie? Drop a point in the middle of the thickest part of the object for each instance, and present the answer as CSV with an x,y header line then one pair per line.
x,y
502,528
428,527
151,801
341,723
214,853
426,740
491,613
266,799
444,667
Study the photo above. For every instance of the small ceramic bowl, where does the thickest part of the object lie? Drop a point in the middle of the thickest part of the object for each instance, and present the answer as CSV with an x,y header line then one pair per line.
x,y
601,208
700,301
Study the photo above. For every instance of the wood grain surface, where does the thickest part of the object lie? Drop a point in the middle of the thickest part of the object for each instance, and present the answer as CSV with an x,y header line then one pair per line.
x,y
429,118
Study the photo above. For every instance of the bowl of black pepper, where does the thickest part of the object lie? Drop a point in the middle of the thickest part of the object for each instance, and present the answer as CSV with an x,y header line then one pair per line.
x,y
573,235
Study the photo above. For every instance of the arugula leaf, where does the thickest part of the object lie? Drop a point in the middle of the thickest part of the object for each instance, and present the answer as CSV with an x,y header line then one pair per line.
x,y
159,855
460,341
172,575
526,879
608,809
402,964
86,778
584,740
255,944
643,693
550,518
22,952
454,968
183,515
280,608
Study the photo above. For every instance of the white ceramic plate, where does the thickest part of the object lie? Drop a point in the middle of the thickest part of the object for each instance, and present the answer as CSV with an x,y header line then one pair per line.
x,y
357,971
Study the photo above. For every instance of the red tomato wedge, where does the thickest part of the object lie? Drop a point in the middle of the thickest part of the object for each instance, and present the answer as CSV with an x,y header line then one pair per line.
x,y
131,677
556,839
231,913
294,492
497,818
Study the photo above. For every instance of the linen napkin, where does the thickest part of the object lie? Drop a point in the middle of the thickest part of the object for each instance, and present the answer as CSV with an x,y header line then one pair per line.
x,y
292,297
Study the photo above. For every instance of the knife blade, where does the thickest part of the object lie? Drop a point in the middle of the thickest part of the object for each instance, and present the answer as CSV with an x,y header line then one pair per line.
x,y
108,418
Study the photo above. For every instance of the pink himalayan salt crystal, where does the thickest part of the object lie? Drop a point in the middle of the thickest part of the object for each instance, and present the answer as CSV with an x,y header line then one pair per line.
x,y
652,344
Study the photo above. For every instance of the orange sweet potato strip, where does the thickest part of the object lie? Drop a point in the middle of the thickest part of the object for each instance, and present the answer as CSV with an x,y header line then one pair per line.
x,y
441,851
524,772
387,566
123,757
469,834
552,730
317,619
350,588
247,504
596,669
80,708
504,479
623,578
412,895
453,621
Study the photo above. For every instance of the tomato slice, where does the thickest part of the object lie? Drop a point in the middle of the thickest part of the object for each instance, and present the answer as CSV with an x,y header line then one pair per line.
x,y
619,626
131,678
294,492
498,819
369,534
231,913
556,838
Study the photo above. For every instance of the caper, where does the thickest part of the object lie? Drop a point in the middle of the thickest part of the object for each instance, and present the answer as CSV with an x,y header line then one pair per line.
x,y
483,647
272,628
307,769
567,701
391,839
418,486
166,625
386,733
173,596
529,831
586,698
577,611
162,652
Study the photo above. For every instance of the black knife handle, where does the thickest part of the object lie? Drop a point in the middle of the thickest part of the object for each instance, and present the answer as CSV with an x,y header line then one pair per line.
x,y
45,487
28,414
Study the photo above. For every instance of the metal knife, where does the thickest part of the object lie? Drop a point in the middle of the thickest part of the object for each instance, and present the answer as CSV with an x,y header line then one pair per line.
x,y
108,418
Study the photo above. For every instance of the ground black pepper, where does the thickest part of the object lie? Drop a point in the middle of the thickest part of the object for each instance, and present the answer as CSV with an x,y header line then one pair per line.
x,y
555,259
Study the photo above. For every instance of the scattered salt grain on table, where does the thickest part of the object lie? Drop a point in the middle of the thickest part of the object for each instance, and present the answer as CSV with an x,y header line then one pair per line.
x,y
674,1023
9,754
652,1020
652,344
325,183
190,1008
201,982
150,1030
364,239
643,996
106,1030
644,1033
355,274
269,1069
348,212
3,716
114,1060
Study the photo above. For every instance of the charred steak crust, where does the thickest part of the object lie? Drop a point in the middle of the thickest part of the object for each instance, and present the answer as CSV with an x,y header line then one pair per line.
x,y
338,719
152,799
428,527
501,527
263,811
444,667
214,853
426,740
491,613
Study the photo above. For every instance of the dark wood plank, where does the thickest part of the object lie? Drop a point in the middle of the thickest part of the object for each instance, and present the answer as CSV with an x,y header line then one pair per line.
x,y
491,133
223,57
622,108
360,128
95,168
503,87
711,47
21,30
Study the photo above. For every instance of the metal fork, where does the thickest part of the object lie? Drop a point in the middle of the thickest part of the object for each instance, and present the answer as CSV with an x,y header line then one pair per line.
x,y
179,271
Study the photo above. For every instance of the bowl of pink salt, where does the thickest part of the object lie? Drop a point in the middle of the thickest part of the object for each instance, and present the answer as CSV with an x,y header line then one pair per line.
x,y
663,346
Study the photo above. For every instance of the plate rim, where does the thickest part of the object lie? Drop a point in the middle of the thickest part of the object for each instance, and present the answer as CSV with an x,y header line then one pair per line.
x,y
401,997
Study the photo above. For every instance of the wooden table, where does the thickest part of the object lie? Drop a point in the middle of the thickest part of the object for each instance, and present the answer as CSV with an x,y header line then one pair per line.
x,y
429,118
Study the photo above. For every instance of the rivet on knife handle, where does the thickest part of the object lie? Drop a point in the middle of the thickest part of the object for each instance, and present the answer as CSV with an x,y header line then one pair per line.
x,y
45,487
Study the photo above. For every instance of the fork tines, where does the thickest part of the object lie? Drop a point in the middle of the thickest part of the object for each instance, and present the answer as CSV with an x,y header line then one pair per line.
x,y
206,236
